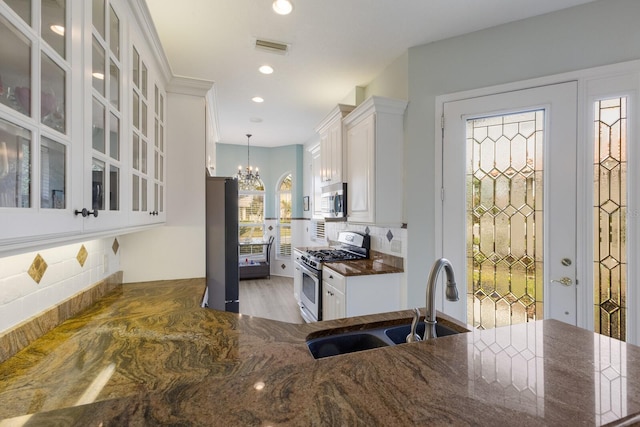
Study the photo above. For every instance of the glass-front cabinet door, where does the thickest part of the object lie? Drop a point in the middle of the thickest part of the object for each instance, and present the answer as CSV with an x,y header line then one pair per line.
x,y
159,155
104,161
139,137
146,137
37,146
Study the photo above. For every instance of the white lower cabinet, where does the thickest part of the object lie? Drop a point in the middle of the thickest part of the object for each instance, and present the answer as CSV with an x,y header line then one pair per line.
x,y
358,295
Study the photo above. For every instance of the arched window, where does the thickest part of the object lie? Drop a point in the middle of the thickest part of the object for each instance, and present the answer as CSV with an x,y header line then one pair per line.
x,y
283,201
251,218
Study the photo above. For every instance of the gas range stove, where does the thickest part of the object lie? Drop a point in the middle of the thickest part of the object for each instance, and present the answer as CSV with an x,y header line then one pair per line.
x,y
351,246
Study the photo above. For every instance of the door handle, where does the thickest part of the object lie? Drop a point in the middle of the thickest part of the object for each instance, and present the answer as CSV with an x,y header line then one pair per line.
x,y
566,281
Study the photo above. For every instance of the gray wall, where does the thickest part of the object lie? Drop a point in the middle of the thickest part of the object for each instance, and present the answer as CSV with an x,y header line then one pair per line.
x,y
599,33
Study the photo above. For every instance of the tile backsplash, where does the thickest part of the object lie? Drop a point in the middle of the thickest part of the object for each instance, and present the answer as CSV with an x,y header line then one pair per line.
x,y
33,282
388,240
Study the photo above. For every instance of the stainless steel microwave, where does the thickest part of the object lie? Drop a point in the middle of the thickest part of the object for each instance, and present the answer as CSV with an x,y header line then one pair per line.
x,y
334,202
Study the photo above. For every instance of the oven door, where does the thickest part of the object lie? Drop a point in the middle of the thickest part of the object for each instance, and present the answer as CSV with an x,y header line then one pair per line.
x,y
310,295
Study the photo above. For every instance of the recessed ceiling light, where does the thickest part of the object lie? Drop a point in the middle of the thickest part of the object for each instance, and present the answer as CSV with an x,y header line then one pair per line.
x,y
98,76
282,7
58,29
266,69
257,99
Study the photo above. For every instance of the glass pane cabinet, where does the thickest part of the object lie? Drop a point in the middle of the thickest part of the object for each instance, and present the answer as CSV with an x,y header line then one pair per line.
x,y
81,120
147,138
106,119
15,166
36,145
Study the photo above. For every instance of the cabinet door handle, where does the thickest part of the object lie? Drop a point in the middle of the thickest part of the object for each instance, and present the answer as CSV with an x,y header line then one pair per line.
x,y
86,212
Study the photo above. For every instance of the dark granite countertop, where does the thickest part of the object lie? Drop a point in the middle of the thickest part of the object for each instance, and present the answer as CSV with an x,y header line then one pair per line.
x,y
378,263
148,355
362,267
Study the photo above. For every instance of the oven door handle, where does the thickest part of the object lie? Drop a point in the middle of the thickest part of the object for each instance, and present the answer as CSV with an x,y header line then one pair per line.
x,y
307,270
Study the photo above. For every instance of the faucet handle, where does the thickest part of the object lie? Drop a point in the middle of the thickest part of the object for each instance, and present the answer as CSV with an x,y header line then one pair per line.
x,y
413,335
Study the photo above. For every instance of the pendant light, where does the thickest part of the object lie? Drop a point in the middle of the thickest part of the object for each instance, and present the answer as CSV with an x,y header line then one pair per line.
x,y
247,179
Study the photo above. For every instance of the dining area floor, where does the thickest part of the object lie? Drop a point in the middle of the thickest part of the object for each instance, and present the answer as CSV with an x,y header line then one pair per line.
x,y
270,299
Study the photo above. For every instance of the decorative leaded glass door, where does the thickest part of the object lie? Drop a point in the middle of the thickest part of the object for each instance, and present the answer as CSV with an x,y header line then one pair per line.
x,y
513,157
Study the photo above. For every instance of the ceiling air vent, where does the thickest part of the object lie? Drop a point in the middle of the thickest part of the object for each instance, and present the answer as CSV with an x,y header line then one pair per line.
x,y
271,46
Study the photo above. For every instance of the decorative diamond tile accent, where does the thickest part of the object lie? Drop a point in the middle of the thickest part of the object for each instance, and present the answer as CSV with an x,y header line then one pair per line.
x,y
82,256
389,235
115,246
367,230
38,268
271,228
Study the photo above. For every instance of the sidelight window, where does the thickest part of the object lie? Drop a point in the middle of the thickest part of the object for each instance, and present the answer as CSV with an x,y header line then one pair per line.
x,y
610,213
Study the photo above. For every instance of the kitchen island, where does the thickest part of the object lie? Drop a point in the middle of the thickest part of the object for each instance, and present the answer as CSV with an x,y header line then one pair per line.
x,y
147,354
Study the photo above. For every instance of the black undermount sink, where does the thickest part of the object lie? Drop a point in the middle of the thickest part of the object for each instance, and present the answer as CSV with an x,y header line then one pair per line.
x,y
344,343
398,334
349,342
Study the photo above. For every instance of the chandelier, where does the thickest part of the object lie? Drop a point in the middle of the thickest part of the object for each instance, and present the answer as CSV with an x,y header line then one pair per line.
x,y
247,179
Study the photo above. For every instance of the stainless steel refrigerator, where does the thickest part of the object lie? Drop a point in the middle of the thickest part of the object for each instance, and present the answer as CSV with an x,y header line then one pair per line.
x,y
222,243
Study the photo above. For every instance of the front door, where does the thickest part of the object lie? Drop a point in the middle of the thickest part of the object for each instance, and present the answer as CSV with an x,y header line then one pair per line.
x,y
509,205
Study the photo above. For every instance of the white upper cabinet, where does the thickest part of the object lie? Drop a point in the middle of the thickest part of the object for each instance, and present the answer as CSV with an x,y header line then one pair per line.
x,y
105,106
147,137
374,157
40,142
68,103
331,147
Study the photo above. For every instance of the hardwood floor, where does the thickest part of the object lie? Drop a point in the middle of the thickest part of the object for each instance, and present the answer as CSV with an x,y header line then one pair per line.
x,y
270,299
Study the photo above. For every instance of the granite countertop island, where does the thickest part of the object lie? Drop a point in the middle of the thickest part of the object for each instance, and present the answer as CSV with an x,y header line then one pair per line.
x,y
148,355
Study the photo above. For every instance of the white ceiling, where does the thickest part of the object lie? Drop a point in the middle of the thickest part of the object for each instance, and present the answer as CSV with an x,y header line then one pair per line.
x,y
336,45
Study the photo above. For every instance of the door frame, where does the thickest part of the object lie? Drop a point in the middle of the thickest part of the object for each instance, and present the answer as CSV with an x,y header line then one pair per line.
x,y
584,257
